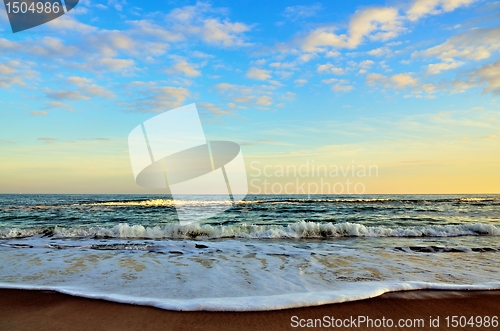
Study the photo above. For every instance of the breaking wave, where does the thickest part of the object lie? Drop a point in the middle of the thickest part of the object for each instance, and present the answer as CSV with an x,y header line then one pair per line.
x,y
296,230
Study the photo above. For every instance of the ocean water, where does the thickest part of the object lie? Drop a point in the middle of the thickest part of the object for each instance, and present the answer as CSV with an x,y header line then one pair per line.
x,y
268,252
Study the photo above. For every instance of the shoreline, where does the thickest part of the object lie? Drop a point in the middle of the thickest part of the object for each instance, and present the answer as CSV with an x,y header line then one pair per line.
x,y
49,310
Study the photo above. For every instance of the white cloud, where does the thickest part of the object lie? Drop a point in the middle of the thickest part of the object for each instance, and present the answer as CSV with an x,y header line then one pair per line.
x,y
68,23
436,68
307,57
196,21
58,104
154,98
147,28
366,64
398,81
475,44
374,23
260,96
79,80
110,64
6,70
300,82
332,54
403,80
223,33
66,95
259,74
93,90
381,51
85,91
490,76
283,74
420,8
89,48
14,72
284,65
299,12
186,68
39,113
264,100
330,68
342,88
6,82
215,110
339,85
259,62
378,23
113,43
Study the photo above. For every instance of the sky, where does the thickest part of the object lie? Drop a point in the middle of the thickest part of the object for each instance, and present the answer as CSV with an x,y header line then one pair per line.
x,y
389,97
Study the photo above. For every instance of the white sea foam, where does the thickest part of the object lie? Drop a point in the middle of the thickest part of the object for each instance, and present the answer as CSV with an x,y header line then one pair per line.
x,y
243,230
295,200
351,292
235,275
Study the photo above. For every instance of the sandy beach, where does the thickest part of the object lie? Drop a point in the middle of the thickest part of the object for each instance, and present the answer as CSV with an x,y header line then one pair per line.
x,y
45,310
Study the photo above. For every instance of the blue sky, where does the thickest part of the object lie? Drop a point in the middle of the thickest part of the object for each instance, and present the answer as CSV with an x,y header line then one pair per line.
x,y
409,86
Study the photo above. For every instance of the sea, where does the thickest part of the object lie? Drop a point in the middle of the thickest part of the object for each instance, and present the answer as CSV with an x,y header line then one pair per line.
x,y
266,252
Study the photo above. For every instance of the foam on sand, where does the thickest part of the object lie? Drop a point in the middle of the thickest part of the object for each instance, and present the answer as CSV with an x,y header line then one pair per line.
x,y
237,275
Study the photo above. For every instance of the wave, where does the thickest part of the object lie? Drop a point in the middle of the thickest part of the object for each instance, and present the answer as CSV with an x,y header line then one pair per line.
x,y
270,200
159,203
296,230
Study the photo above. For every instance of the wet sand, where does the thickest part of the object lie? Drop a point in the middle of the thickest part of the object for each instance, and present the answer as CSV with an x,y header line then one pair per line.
x,y
45,310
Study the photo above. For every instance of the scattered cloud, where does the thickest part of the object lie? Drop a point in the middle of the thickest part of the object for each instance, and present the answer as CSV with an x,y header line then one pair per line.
x,y
398,81
89,89
259,74
381,51
436,68
489,75
332,54
475,44
192,21
58,104
186,68
47,139
15,72
95,139
247,95
107,64
39,113
373,23
420,8
215,110
339,85
66,95
298,12
300,82
330,68
85,91
148,97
